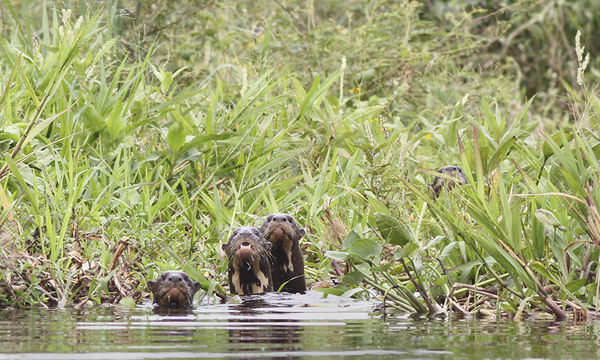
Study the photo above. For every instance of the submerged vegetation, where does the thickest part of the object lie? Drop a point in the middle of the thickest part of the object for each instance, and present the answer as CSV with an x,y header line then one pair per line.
x,y
135,136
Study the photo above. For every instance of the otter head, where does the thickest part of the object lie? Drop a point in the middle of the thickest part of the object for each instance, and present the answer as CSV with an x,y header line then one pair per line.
x,y
174,289
249,268
439,182
288,265
281,228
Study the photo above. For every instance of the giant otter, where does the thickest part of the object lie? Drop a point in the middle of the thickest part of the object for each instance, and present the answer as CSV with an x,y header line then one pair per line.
x,y
174,289
440,182
249,266
288,265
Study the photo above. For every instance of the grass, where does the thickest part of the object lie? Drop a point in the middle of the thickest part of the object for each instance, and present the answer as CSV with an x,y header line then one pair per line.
x,y
135,138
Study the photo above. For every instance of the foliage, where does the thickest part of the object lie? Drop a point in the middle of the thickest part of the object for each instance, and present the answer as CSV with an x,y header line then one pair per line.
x,y
137,135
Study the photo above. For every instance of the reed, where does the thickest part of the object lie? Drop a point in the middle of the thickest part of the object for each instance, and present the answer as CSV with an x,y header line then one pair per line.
x,y
134,139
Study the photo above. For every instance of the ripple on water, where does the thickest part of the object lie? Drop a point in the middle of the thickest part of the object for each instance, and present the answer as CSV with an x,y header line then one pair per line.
x,y
282,325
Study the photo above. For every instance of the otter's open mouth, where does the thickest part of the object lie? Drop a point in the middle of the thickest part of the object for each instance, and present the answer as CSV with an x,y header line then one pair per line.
x,y
246,249
246,246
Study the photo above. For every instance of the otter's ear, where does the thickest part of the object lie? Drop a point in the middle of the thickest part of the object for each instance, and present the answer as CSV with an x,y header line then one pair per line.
x,y
223,252
196,286
301,233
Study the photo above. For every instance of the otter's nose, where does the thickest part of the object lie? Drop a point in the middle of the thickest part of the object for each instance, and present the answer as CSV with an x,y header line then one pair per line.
x,y
175,278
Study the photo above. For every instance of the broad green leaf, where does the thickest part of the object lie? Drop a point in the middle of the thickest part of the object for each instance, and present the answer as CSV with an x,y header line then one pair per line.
x,y
352,278
115,123
394,231
349,239
92,120
127,302
364,248
337,255
574,286
176,137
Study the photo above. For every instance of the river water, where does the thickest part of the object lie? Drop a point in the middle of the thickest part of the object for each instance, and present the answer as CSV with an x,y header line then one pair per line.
x,y
283,326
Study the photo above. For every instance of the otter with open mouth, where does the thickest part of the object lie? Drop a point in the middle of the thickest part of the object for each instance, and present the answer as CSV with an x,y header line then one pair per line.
x,y
249,266
174,289
287,262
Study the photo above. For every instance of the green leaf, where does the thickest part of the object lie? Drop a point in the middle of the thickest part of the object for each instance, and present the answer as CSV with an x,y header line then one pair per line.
x,y
200,139
337,255
352,278
546,217
331,291
556,138
405,252
393,230
350,293
41,126
501,152
115,122
92,120
127,302
574,286
349,239
364,248
176,137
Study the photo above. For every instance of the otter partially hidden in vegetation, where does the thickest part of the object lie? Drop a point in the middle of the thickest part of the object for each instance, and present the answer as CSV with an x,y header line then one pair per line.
x,y
249,265
174,289
288,265
440,182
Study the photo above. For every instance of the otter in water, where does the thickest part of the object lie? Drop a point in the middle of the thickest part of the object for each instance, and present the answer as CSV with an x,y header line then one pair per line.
x,y
440,182
174,289
249,266
287,262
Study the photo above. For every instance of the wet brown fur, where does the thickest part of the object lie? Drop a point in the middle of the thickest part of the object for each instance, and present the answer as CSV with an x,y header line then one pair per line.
x,y
287,261
249,265
174,289
440,182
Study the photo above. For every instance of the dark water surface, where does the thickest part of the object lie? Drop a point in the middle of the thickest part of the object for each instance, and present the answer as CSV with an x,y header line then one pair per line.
x,y
283,326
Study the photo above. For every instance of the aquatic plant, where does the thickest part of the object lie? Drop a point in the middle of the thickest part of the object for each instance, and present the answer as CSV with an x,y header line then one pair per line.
x,y
135,138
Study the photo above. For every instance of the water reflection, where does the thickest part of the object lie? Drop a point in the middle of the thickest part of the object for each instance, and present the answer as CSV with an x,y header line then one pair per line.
x,y
253,333
280,325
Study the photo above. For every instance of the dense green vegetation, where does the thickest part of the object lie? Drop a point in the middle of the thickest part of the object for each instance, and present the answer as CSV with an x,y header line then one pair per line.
x,y
135,136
